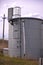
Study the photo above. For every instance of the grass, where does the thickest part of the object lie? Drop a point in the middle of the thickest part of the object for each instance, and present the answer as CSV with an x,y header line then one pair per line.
x,y
4,60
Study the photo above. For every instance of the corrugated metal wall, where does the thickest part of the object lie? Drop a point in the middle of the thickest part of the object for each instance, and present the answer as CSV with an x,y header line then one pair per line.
x,y
41,50
33,38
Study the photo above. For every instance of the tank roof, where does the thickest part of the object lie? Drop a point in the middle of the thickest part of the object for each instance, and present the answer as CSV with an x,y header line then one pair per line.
x,y
26,18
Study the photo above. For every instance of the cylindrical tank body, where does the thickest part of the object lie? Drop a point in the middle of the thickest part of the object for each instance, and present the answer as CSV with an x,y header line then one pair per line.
x,y
14,40
10,39
14,33
32,37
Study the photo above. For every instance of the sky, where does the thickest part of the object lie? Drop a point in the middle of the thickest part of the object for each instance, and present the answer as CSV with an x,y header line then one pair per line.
x,y
28,8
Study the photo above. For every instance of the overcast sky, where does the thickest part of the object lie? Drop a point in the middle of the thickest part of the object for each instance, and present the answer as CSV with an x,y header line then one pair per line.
x,y
28,8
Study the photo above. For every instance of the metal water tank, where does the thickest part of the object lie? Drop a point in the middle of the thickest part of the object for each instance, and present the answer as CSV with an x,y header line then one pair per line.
x,y
10,14
32,37
14,34
16,12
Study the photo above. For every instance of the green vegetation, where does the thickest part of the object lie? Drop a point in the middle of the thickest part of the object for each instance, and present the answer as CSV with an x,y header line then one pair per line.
x,y
4,60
